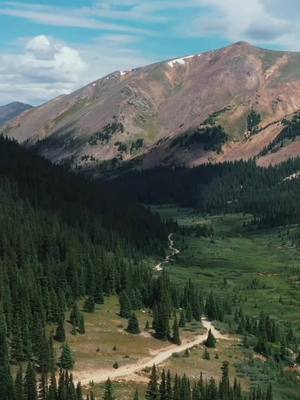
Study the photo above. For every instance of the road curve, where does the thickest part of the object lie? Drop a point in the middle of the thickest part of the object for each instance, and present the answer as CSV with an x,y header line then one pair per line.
x,y
101,375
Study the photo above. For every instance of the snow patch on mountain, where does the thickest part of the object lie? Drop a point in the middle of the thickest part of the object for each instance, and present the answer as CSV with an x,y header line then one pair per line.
x,y
181,60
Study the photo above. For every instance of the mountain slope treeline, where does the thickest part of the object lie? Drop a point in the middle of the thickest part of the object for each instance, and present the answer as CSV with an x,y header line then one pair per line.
x,y
271,194
61,238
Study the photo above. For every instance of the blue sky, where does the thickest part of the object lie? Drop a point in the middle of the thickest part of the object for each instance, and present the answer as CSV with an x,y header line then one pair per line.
x,y
51,47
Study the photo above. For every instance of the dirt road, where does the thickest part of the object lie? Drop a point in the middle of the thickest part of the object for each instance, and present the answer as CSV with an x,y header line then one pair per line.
x,y
128,371
174,251
101,375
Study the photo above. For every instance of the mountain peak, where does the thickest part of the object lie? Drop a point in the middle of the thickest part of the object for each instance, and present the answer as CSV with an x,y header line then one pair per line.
x,y
132,115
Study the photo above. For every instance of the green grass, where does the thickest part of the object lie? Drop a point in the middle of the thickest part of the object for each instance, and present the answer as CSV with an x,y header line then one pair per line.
x,y
237,256
229,263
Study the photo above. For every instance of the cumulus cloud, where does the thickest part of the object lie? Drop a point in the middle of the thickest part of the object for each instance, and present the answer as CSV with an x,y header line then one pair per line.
x,y
45,68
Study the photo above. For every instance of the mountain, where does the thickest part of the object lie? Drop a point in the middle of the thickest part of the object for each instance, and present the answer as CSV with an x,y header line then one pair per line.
x,y
238,102
12,110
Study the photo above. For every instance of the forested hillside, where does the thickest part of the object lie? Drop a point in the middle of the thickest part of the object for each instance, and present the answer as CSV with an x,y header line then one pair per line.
x,y
61,238
271,194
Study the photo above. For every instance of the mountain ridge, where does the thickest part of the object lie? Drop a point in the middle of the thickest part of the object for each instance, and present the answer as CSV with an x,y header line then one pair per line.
x,y
132,118
11,110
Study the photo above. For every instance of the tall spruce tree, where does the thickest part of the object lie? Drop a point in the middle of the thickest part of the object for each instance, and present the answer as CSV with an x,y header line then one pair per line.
x,y
133,325
66,360
6,381
88,306
108,391
125,306
30,383
176,335
211,340
152,392
60,333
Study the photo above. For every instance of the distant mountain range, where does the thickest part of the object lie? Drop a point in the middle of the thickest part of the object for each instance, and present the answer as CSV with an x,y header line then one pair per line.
x,y
238,102
12,110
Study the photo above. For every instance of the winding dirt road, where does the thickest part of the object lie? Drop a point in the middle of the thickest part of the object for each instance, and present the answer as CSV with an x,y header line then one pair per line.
x,y
101,375
168,258
127,371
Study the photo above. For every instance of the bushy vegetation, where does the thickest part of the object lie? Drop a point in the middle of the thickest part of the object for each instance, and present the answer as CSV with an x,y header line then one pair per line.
x,y
106,133
210,138
289,133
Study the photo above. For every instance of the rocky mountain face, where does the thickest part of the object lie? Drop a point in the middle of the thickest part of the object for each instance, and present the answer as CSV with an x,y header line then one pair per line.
x,y
12,110
233,103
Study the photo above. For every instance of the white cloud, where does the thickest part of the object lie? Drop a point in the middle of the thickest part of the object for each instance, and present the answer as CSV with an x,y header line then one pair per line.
x,y
63,16
45,68
262,22
42,70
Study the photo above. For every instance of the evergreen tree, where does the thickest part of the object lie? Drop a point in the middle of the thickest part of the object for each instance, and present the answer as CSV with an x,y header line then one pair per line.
x,y
182,321
6,382
176,336
224,387
19,392
125,306
211,340
75,315
136,395
152,392
108,391
30,384
169,391
147,326
206,355
133,325
89,306
79,394
66,360
81,327
163,386
60,334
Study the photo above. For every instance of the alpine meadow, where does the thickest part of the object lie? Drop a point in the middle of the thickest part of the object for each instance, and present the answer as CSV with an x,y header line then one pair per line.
x,y
149,200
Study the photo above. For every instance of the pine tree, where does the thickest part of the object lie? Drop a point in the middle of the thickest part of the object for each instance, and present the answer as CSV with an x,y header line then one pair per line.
x,y
6,382
125,306
163,386
182,321
176,336
152,392
89,306
136,395
75,315
162,327
60,334
30,386
66,360
147,326
224,387
108,391
43,386
189,313
269,394
79,395
81,327
52,390
19,384
211,340
206,355
169,391
133,325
